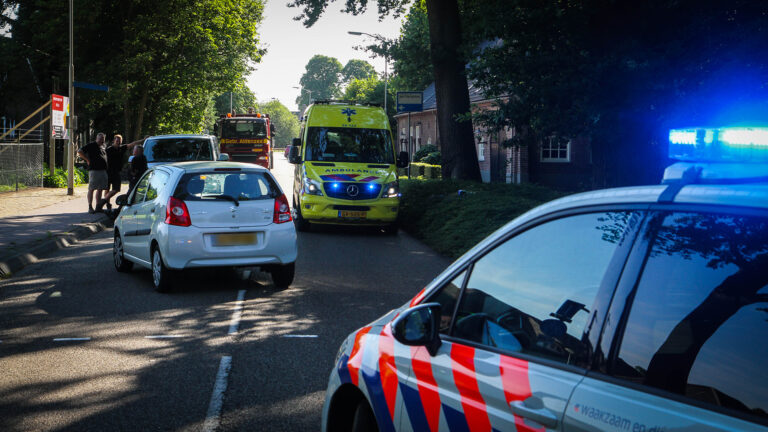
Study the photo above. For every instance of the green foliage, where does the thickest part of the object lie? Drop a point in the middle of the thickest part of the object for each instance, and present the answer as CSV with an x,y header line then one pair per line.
x,y
286,123
424,151
242,99
433,158
59,177
434,212
357,69
163,61
411,53
322,77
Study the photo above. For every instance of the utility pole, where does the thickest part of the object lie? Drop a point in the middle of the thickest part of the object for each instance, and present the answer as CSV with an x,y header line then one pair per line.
x,y
70,126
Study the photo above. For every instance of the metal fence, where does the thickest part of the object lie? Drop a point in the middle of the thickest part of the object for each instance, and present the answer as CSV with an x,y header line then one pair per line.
x,y
21,162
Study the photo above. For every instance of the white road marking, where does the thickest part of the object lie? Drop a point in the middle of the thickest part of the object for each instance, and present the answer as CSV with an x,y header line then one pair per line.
x,y
165,336
299,336
237,313
213,418
71,339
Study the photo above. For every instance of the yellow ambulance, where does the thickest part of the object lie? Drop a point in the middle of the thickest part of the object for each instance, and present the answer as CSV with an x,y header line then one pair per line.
x,y
345,167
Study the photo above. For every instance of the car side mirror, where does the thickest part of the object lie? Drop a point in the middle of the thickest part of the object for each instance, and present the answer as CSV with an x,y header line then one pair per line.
x,y
223,157
121,200
419,326
293,154
296,142
402,159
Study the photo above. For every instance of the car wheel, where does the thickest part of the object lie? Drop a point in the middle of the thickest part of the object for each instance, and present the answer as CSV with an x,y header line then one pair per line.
x,y
391,229
162,277
301,223
121,264
282,275
363,419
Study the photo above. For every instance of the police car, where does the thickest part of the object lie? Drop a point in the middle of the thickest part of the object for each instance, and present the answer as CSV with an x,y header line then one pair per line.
x,y
631,309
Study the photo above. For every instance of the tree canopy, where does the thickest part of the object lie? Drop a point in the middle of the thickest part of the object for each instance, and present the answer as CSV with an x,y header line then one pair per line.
x,y
321,79
164,62
357,69
286,123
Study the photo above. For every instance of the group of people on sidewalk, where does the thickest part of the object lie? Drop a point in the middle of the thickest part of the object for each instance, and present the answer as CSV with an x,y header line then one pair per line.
x,y
105,166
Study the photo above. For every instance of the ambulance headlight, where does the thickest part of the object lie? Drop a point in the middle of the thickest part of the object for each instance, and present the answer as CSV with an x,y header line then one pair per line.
x,y
391,190
727,144
312,187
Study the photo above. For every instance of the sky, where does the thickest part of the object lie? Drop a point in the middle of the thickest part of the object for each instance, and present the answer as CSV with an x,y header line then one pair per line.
x,y
290,46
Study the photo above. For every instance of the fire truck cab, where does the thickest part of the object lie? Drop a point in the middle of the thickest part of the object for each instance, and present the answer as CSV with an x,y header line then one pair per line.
x,y
246,137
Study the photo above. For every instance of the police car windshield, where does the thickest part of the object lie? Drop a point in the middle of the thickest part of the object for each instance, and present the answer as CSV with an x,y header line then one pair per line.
x,y
244,129
178,149
349,145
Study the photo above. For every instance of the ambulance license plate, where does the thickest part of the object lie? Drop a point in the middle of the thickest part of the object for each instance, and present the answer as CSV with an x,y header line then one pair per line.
x,y
346,214
238,239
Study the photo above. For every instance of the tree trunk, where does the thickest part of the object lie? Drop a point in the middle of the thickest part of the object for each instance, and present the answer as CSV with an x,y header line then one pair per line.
x,y
457,139
137,132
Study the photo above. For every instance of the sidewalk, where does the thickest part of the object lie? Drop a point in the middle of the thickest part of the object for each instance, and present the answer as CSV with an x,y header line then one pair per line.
x,y
37,221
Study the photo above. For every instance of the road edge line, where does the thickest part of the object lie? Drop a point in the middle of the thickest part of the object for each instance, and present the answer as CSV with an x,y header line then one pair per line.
x,y
213,417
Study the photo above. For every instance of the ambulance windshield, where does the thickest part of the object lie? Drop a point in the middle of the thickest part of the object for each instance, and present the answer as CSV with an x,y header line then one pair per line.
x,y
349,145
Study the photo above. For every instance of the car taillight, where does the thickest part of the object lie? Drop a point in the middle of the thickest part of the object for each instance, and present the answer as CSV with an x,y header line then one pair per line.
x,y
176,213
282,210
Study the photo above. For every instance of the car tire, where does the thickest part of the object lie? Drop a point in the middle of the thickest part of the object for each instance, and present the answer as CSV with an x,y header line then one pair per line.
x,y
301,223
363,420
118,255
162,276
391,229
282,275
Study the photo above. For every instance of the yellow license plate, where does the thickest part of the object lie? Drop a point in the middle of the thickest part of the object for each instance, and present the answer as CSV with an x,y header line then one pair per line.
x,y
239,239
352,214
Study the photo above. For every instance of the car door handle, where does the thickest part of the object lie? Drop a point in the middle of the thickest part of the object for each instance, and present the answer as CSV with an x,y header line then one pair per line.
x,y
152,211
533,408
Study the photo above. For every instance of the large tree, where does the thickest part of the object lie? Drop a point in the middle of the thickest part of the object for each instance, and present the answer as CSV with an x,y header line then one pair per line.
x,y
357,69
163,62
321,80
456,137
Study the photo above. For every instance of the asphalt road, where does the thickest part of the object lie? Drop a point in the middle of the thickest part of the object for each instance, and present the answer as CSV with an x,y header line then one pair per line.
x,y
84,348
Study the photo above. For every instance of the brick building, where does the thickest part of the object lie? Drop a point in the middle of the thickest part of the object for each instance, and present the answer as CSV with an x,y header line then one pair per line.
x,y
560,163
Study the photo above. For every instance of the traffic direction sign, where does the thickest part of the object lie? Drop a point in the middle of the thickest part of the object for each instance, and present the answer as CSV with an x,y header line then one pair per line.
x,y
410,101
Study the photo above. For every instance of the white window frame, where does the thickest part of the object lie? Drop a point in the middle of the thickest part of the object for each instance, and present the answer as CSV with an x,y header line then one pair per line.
x,y
551,144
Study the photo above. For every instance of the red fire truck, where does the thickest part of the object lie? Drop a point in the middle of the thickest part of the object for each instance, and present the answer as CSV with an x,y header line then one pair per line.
x,y
246,138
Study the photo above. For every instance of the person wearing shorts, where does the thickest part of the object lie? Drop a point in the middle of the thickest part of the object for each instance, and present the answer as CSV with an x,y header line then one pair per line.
x,y
96,157
115,157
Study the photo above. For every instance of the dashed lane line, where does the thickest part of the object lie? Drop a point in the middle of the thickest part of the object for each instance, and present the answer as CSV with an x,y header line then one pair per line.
x,y
299,336
237,313
73,339
213,418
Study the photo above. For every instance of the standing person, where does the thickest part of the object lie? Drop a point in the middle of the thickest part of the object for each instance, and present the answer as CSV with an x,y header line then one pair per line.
x,y
115,156
138,165
96,157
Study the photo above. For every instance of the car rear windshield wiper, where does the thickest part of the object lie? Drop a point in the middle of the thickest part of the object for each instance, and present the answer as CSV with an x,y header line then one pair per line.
x,y
226,197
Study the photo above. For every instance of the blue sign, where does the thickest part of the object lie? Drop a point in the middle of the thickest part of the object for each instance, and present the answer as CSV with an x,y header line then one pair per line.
x,y
410,101
89,86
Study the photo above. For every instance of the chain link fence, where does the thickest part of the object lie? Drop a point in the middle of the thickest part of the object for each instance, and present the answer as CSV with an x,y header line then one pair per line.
x,y
21,163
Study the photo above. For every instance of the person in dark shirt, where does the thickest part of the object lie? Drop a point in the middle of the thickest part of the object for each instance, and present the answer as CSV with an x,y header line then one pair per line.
x,y
115,157
138,165
96,157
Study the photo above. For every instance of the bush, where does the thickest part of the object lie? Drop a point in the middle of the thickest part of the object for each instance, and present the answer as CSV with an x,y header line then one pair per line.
x,y
424,152
59,177
433,158
434,212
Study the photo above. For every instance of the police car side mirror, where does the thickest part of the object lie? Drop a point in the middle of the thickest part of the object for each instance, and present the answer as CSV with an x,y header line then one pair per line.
x,y
402,159
293,154
419,326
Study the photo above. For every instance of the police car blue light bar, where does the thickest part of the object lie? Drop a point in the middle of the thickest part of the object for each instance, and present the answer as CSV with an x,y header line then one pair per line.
x,y
731,144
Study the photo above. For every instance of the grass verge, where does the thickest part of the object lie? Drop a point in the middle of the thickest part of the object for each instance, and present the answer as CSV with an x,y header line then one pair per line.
x,y
451,223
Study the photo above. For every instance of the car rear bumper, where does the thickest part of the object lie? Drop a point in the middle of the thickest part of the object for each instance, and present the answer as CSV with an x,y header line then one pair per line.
x,y
192,247
319,209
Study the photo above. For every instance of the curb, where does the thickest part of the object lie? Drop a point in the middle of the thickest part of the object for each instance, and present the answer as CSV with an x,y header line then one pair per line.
x,y
13,263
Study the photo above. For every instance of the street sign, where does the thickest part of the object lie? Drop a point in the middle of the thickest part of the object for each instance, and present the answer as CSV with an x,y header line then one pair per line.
x,y
89,86
59,113
410,101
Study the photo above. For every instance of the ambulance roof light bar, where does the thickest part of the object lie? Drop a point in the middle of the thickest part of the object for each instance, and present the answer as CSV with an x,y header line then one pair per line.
x,y
724,145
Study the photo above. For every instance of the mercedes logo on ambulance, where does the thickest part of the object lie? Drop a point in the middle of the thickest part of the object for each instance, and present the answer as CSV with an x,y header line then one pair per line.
x,y
353,190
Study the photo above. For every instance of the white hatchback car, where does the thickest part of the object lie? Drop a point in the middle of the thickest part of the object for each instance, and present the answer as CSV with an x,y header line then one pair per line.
x,y
205,214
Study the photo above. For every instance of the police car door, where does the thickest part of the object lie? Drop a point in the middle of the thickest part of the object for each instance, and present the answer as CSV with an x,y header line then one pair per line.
x,y
515,327
690,352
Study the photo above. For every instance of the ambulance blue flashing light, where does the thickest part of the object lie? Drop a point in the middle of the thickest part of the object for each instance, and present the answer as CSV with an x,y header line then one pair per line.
x,y
731,144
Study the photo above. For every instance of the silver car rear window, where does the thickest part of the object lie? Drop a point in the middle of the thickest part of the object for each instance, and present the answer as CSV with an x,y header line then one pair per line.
x,y
240,185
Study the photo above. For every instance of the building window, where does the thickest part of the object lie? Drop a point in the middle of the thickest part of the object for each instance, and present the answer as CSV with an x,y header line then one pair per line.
x,y
556,149
481,149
